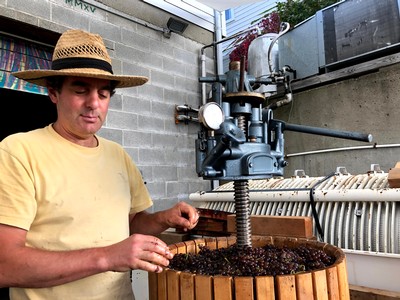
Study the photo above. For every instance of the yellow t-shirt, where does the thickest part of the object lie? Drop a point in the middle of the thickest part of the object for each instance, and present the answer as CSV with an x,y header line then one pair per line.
x,y
70,197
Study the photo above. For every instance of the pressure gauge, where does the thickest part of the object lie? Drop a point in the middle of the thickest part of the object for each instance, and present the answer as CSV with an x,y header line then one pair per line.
x,y
211,115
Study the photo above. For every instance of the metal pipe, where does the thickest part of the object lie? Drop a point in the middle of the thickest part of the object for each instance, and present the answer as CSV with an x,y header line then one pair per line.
x,y
328,132
203,74
203,59
271,45
374,146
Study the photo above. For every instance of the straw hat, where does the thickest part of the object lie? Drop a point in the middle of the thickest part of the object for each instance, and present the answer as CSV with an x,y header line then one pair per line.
x,y
82,54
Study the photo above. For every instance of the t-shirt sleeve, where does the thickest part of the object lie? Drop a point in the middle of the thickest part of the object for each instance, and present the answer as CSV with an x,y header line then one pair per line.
x,y
17,192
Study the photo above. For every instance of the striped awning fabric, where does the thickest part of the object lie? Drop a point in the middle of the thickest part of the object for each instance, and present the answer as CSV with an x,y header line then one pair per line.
x,y
17,55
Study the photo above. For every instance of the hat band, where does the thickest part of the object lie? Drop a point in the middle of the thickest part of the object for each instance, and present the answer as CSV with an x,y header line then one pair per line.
x,y
81,63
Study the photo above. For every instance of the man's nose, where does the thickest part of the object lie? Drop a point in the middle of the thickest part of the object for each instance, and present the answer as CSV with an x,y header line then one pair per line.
x,y
93,99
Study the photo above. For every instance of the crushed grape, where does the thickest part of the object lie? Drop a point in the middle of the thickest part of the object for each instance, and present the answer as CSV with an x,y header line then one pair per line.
x,y
252,261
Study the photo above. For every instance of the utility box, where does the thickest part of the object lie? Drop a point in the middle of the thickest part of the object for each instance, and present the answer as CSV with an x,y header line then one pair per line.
x,y
344,34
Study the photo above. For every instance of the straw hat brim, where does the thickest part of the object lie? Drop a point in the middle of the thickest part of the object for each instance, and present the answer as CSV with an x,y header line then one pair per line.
x,y
39,76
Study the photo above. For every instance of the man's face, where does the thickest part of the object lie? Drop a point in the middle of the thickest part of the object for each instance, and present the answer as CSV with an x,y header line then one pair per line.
x,y
82,105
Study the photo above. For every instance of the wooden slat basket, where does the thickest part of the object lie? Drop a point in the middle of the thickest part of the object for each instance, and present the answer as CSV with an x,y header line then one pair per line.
x,y
326,284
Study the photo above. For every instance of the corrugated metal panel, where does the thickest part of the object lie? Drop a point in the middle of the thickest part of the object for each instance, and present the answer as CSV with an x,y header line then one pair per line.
x,y
371,224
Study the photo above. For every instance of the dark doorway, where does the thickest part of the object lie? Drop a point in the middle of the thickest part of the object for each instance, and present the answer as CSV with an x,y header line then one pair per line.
x,y
23,111
4,294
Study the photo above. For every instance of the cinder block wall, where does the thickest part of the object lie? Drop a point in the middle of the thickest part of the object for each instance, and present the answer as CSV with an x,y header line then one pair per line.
x,y
141,119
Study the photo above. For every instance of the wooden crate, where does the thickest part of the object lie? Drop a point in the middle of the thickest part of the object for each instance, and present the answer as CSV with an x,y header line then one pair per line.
x,y
211,223
330,283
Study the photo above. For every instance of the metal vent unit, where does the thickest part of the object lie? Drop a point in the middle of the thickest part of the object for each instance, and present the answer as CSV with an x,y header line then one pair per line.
x,y
357,212
342,35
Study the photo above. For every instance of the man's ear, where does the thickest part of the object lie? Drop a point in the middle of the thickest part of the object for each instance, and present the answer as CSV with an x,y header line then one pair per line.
x,y
52,92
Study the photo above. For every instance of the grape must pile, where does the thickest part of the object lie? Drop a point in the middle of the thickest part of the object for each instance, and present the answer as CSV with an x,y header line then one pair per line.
x,y
252,261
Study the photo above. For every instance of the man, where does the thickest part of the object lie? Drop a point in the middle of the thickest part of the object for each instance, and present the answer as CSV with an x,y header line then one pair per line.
x,y
72,204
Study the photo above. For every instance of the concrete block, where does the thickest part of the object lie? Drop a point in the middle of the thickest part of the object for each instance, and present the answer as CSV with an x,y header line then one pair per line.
x,y
173,66
111,134
175,188
154,124
156,190
165,173
136,138
135,40
116,101
133,152
151,92
136,105
70,17
151,157
174,96
100,24
161,48
134,69
186,57
165,141
39,9
122,120
162,79
147,173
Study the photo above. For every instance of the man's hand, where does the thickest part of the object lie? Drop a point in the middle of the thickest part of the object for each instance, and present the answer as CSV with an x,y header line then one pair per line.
x,y
139,251
182,215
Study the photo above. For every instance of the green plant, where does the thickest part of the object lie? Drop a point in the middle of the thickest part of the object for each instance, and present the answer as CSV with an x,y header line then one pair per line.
x,y
296,11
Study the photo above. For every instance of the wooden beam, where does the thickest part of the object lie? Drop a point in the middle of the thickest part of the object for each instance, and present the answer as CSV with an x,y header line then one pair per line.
x,y
365,293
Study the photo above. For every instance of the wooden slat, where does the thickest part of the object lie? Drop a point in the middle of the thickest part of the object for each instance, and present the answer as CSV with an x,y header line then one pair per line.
x,y
187,286
162,285
284,226
286,287
211,243
333,283
152,278
180,247
190,246
203,287
222,242
320,285
265,289
173,249
223,288
343,281
231,240
173,284
244,288
261,241
199,242
304,286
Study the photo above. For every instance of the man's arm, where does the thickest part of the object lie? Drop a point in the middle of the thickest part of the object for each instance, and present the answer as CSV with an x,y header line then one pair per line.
x,y
22,266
